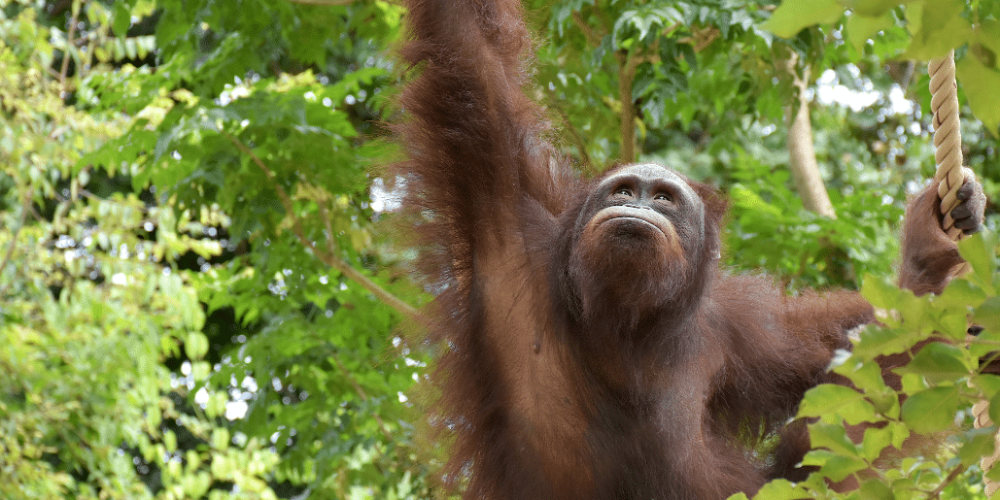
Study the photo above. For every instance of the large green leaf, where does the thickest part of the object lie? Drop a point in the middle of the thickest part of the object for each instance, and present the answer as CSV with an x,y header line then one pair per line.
x,y
794,15
937,27
939,362
827,400
933,409
980,83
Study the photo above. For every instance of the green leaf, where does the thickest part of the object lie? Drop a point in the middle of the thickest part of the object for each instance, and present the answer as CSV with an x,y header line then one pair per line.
x,y
960,294
877,341
933,409
953,324
987,314
938,362
220,439
876,440
866,377
980,84
828,400
196,345
872,8
832,437
794,15
893,304
988,36
979,250
170,441
781,489
122,19
861,28
744,197
833,466
876,489
937,27
980,444
994,408
987,384
913,310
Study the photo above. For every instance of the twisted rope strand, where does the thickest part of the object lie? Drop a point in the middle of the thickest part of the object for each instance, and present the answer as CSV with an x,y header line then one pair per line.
x,y
947,138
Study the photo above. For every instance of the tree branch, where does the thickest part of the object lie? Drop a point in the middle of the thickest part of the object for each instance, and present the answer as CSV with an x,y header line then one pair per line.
x,y
77,6
329,257
627,62
609,26
355,275
948,480
801,152
588,32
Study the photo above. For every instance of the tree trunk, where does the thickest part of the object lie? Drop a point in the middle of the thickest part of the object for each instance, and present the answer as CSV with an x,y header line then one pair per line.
x,y
801,153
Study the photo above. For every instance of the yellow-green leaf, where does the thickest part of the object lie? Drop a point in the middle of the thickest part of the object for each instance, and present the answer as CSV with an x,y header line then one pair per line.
x,y
794,15
937,27
980,85
862,28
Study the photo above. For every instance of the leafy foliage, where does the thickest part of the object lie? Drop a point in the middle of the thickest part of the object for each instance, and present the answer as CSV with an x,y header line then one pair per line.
x,y
173,333
940,384
935,27
194,290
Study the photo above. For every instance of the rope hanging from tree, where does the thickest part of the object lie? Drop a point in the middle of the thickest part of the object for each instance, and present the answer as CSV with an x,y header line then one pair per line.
x,y
948,155
947,137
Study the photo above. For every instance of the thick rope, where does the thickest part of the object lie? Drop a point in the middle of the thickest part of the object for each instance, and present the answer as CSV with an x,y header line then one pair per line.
x,y
947,138
948,155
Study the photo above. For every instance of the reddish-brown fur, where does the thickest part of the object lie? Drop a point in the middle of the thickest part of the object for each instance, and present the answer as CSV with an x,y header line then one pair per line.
x,y
576,373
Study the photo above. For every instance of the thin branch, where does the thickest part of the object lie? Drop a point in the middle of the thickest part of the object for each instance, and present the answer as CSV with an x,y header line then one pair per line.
x,y
77,7
355,275
951,477
700,39
588,32
650,54
362,394
667,32
329,257
51,72
25,208
603,18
